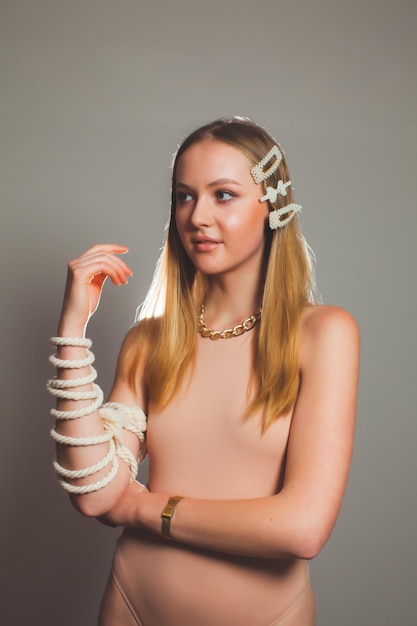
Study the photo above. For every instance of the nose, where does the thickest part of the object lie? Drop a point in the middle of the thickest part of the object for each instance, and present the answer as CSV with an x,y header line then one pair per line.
x,y
202,214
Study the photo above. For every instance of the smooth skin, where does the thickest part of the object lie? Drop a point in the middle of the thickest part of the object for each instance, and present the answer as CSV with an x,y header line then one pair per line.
x,y
221,223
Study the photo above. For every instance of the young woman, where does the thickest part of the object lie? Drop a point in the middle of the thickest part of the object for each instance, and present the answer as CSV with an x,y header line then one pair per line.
x,y
249,391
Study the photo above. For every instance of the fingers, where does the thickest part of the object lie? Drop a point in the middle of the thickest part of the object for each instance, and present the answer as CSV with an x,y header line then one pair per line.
x,y
99,262
86,276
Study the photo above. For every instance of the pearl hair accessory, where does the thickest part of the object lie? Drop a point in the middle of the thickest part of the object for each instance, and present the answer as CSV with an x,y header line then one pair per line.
x,y
259,175
114,416
275,220
257,171
272,194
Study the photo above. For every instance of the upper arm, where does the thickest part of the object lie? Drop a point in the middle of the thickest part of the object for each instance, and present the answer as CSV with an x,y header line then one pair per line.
x,y
322,431
122,391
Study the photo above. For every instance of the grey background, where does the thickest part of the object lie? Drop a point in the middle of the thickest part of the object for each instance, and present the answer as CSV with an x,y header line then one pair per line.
x,y
95,97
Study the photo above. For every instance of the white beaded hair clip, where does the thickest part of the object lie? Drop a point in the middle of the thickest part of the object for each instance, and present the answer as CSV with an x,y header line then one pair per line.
x,y
271,193
275,220
259,175
258,172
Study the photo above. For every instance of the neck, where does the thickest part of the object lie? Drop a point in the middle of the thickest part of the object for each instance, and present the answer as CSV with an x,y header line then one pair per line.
x,y
227,303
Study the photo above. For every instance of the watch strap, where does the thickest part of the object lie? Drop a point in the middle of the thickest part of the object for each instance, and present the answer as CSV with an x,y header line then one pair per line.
x,y
167,515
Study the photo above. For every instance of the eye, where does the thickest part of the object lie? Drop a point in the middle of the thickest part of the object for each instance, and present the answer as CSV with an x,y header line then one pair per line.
x,y
183,196
224,196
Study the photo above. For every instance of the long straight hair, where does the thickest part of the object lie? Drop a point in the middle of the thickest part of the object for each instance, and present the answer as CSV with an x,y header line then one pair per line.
x,y
164,341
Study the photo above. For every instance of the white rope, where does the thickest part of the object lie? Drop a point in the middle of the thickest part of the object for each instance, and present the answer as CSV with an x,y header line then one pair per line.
x,y
87,471
131,417
61,383
74,395
119,417
79,342
72,363
80,441
115,417
76,413
128,457
100,484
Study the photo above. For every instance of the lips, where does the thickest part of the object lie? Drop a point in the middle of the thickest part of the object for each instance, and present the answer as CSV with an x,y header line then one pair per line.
x,y
205,244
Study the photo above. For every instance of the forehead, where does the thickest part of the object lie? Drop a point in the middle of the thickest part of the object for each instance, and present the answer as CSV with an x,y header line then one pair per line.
x,y
213,159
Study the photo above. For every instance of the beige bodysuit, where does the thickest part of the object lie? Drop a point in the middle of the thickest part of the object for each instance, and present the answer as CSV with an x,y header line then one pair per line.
x,y
201,446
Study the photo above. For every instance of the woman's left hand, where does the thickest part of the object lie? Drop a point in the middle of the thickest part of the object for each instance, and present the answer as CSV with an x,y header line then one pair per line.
x,y
125,512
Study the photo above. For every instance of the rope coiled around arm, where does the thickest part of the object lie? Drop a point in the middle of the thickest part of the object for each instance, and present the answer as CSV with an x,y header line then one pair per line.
x,y
115,417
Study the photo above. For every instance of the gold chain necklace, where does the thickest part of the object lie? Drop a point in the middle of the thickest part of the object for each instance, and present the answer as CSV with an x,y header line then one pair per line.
x,y
228,333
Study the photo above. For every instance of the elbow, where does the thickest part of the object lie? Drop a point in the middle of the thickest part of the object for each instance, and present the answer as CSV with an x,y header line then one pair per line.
x,y
100,502
307,527
93,505
310,544
311,537
88,506
305,537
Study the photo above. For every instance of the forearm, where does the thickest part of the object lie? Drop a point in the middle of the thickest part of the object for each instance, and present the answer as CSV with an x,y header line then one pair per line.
x,y
268,527
89,425
86,451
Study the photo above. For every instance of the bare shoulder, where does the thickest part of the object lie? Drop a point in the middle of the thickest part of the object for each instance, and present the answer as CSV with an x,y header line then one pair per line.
x,y
318,318
327,328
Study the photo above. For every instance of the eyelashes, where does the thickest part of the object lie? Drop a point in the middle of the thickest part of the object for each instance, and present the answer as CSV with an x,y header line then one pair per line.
x,y
222,195
182,197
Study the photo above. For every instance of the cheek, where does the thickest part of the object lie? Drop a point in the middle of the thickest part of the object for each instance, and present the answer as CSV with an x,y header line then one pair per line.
x,y
233,221
253,224
247,232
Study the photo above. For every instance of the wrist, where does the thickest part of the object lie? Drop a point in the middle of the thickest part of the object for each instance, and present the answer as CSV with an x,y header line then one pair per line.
x,y
145,506
70,331
167,515
149,507
71,327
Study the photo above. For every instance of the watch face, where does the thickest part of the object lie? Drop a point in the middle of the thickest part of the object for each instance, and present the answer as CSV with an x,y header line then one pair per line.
x,y
168,510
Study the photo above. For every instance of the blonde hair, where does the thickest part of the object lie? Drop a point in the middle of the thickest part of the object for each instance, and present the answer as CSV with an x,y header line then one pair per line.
x,y
164,341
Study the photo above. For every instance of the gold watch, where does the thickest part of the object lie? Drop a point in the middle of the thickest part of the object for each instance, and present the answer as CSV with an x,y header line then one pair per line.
x,y
167,515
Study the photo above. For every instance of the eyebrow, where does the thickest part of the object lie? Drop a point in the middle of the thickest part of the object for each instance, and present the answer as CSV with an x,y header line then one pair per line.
x,y
215,183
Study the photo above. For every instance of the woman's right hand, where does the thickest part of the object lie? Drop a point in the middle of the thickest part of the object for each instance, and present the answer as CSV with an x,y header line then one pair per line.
x,y
85,280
